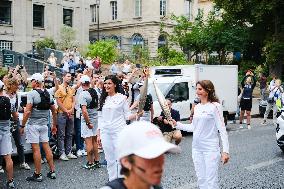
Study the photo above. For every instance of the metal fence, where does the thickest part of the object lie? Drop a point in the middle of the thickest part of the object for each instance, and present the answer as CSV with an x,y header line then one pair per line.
x,y
32,65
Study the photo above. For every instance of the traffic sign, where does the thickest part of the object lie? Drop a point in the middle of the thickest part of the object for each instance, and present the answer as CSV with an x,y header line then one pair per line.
x,y
8,59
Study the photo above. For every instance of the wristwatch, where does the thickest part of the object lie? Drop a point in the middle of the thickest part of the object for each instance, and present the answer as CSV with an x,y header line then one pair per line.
x,y
88,123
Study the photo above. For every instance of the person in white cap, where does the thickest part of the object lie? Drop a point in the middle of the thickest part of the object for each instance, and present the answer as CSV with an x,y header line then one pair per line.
x,y
39,102
88,101
113,114
5,135
141,148
207,125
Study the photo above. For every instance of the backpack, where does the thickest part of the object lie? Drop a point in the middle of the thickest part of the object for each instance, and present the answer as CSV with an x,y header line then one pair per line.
x,y
5,107
94,103
44,100
118,184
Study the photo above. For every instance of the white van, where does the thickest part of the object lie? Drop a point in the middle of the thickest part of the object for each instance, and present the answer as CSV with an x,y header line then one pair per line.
x,y
178,83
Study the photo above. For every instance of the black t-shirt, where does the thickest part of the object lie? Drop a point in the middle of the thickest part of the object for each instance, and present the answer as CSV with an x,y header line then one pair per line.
x,y
167,127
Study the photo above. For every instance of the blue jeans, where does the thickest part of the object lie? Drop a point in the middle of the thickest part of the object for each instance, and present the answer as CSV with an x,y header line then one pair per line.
x,y
78,139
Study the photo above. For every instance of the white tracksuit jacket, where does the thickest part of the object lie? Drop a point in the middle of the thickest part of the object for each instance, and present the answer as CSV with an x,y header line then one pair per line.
x,y
207,121
111,121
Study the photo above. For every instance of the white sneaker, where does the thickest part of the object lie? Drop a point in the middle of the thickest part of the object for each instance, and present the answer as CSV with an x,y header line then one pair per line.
x,y
25,166
84,153
241,126
71,156
1,169
43,161
79,153
249,127
63,157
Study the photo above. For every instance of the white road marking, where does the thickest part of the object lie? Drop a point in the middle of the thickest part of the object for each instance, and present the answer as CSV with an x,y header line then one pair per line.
x,y
263,164
188,186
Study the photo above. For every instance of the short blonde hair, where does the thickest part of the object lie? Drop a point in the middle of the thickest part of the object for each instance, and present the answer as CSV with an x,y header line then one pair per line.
x,y
278,82
10,83
248,80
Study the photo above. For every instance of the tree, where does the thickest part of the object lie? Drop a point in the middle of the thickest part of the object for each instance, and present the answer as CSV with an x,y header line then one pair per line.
x,y
266,19
215,33
67,37
190,36
106,50
224,35
44,43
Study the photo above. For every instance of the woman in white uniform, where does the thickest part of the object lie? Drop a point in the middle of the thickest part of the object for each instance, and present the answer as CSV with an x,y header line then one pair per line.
x,y
112,116
207,121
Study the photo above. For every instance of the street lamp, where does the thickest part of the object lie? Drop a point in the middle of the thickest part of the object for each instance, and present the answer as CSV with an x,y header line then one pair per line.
x,y
98,20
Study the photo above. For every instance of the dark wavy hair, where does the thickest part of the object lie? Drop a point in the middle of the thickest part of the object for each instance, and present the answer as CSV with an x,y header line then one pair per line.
x,y
208,86
104,94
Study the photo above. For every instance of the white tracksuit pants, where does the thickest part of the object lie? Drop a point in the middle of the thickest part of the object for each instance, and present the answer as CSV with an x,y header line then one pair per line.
x,y
109,143
206,166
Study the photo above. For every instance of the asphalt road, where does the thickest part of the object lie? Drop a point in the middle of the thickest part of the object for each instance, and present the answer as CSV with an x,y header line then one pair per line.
x,y
256,162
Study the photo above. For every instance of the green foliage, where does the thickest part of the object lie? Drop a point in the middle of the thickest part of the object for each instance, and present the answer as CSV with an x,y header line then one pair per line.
x,y
273,51
3,72
176,58
189,35
105,49
141,54
44,43
216,33
67,37
266,20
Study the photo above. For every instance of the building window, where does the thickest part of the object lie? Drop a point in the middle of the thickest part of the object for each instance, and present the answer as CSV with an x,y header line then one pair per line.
x,y
162,41
94,9
6,45
113,5
137,39
117,39
163,7
38,16
188,9
5,12
68,17
138,8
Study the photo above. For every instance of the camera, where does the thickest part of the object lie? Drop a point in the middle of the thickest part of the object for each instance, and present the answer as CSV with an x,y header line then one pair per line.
x,y
138,65
51,69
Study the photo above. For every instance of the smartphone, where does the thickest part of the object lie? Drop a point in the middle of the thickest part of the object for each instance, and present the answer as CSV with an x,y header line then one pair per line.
x,y
138,65
51,68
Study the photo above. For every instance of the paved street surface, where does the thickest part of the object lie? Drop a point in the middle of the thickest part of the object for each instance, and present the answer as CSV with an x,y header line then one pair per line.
x,y
256,162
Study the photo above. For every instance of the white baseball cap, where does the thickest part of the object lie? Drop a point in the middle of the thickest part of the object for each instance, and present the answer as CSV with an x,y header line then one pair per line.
x,y
37,76
85,79
1,84
143,139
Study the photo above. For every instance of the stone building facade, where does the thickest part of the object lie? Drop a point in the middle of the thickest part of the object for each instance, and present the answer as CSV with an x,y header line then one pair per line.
x,y
22,22
133,22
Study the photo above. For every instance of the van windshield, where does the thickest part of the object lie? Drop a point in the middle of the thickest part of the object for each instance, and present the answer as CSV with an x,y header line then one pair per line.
x,y
164,87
